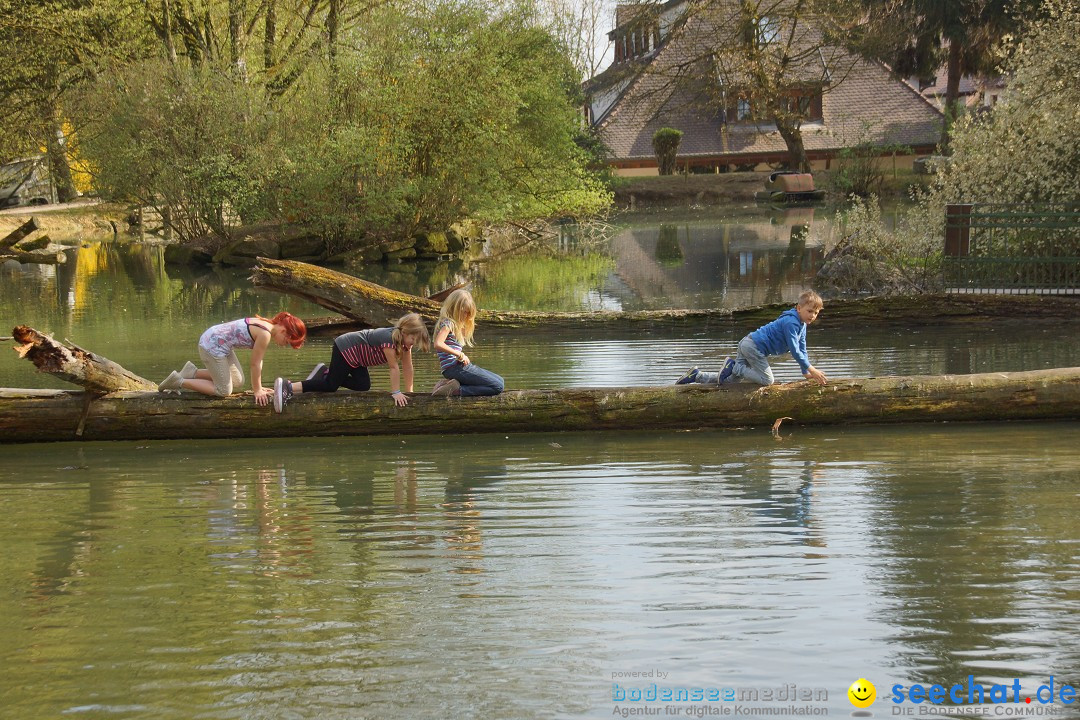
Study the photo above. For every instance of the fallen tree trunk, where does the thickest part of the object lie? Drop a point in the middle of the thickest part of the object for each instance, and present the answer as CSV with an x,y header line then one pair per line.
x,y
20,232
69,362
41,415
373,305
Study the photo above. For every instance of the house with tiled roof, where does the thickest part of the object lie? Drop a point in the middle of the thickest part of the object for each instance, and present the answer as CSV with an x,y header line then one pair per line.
x,y
665,74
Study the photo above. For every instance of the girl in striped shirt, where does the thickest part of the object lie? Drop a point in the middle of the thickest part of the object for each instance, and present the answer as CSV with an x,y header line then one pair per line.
x,y
355,352
457,320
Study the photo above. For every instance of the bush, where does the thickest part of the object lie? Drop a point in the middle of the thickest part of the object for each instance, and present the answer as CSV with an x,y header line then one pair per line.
x,y
665,142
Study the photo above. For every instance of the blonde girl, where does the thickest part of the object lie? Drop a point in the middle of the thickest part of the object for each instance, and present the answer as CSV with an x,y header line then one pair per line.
x,y
355,352
217,350
453,331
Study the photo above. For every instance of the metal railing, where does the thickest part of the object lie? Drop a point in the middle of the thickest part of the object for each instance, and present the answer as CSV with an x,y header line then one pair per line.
x,y
1012,248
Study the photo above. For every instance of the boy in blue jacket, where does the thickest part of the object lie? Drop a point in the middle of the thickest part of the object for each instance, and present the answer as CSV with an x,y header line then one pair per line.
x,y
786,333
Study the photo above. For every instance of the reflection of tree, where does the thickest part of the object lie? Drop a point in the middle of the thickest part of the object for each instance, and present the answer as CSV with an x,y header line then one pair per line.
x,y
791,260
668,251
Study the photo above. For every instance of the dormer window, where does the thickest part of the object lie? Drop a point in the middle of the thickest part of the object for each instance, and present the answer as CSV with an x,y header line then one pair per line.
x,y
636,41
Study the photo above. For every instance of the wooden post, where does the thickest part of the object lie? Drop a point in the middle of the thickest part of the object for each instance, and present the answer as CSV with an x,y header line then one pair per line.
x,y
958,230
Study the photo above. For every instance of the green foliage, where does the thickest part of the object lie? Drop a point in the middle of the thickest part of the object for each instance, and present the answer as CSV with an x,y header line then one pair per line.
x,y
871,258
434,114
200,146
665,142
442,114
859,168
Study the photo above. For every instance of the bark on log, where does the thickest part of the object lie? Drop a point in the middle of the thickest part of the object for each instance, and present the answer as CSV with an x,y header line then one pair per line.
x,y
39,243
44,415
97,374
46,258
373,306
20,232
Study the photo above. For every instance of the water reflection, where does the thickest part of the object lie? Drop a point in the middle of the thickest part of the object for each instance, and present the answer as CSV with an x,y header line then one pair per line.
x,y
349,577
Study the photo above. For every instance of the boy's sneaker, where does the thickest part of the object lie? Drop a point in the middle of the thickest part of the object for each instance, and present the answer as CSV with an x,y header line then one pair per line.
x,y
189,370
689,377
171,383
725,374
316,371
451,387
282,394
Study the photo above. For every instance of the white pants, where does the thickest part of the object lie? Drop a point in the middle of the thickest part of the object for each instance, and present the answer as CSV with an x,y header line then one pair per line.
x,y
225,371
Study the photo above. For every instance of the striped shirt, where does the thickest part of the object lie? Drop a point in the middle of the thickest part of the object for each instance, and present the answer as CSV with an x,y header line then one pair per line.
x,y
364,348
446,359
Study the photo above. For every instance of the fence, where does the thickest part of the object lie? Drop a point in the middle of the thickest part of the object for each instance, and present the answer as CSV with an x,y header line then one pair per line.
x,y
1012,248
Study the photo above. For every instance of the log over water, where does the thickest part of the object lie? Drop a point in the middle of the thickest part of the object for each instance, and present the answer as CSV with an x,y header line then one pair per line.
x,y
372,305
46,415
70,362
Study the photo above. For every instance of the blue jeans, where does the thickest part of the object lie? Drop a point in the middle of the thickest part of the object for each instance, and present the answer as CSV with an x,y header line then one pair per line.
x,y
474,380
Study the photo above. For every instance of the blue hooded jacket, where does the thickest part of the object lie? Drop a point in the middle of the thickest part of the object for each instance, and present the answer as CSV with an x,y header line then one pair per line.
x,y
786,333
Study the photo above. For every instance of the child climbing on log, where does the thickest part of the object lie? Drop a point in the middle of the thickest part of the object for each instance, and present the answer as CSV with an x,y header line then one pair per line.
x,y
217,349
785,334
454,329
355,352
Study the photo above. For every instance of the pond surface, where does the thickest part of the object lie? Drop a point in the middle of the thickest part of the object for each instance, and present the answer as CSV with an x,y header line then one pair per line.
x,y
526,576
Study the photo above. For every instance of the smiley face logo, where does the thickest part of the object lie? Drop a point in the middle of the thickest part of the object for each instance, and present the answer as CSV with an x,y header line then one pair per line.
x,y
862,693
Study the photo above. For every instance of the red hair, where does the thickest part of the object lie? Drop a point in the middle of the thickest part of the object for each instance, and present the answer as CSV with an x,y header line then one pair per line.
x,y
295,330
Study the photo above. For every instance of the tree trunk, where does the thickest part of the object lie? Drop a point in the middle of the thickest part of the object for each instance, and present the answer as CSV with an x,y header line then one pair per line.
x,y
59,170
371,305
792,135
42,415
71,363
269,34
167,31
20,232
952,94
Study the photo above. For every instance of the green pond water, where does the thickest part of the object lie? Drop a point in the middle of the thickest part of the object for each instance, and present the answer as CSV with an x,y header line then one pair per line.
x,y
531,576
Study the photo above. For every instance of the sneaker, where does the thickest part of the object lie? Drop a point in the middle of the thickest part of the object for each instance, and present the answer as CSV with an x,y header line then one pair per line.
x,y
435,390
189,370
282,394
316,371
725,373
171,383
450,387
689,377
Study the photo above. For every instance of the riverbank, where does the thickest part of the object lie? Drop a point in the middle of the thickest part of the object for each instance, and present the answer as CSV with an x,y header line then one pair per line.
x,y
738,189
69,223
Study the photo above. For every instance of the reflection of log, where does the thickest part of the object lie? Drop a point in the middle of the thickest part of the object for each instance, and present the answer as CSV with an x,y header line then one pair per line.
x,y
97,374
19,233
45,258
35,415
374,305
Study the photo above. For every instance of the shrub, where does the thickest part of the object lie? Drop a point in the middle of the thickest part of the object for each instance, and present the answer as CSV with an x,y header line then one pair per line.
x,y
665,142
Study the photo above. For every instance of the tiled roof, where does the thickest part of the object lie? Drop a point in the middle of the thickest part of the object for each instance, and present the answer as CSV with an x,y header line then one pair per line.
x,y
862,93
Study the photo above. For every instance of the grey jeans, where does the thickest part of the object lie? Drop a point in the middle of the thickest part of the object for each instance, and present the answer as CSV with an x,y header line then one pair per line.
x,y
751,365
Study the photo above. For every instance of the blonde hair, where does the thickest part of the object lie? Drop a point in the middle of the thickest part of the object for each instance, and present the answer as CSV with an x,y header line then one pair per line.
x,y
411,324
460,309
812,299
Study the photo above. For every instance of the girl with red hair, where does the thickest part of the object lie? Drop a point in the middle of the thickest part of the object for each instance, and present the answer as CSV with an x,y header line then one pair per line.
x,y
217,349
